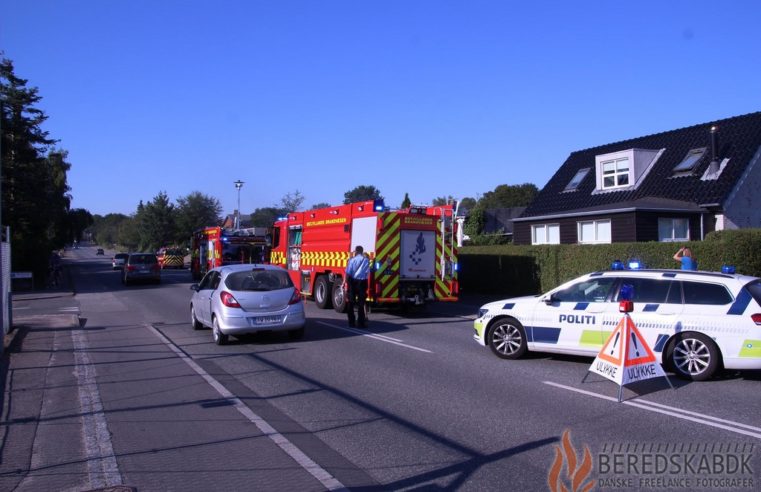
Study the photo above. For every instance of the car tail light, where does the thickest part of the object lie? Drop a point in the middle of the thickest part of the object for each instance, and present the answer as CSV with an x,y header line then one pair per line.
x,y
756,318
296,297
228,300
131,268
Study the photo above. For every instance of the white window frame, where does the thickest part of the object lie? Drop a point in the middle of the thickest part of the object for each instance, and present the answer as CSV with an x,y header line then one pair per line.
x,y
672,220
596,223
546,233
617,173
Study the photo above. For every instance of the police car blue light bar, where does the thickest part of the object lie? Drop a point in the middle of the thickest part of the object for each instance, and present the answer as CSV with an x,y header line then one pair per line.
x,y
635,264
617,265
728,269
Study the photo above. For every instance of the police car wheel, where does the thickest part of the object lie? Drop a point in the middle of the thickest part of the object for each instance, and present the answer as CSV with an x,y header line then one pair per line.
x,y
507,338
322,292
693,356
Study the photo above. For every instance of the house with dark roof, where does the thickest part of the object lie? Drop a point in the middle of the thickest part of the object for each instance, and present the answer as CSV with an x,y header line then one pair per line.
x,y
673,186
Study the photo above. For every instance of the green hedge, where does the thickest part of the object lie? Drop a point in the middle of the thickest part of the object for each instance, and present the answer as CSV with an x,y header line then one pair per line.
x,y
511,270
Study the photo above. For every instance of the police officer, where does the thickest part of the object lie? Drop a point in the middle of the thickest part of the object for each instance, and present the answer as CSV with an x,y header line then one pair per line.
x,y
357,272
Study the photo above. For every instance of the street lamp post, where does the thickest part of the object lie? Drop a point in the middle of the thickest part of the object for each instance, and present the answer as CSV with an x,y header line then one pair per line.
x,y
238,186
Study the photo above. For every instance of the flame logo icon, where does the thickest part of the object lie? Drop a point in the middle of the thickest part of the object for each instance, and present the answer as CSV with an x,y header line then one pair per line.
x,y
575,475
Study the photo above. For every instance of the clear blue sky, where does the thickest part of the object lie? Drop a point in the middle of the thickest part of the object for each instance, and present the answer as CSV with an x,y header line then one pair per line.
x,y
432,98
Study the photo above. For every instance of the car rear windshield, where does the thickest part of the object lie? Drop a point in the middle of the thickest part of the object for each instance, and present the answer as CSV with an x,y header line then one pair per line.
x,y
258,280
142,259
122,256
755,290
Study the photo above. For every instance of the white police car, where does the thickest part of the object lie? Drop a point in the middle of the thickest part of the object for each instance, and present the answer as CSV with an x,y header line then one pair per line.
x,y
695,322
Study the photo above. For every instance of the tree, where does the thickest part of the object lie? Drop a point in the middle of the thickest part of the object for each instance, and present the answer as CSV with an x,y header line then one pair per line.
x,y
77,221
406,202
292,201
467,203
157,223
320,205
506,196
362,193
34,195
265,217
195,211
443,200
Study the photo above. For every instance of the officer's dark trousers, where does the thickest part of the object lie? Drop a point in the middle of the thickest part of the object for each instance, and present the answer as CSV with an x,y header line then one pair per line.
x,y
356,297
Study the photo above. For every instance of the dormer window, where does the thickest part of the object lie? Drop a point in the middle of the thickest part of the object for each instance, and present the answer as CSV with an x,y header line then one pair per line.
x,y
615,173
577,179
623,170
690,161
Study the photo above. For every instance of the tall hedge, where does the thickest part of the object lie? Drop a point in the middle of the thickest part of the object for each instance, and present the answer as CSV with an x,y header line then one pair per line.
x,y
511,270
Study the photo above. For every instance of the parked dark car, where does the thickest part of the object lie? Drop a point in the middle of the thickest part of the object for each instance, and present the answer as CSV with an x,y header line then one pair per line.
x,y
141,266
100,252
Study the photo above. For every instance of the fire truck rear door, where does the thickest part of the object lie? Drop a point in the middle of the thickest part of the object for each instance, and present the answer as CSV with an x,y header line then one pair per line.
x,y
363,233
418,255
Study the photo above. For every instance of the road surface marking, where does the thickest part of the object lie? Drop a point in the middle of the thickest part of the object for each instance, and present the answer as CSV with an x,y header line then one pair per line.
x,y
325,478
382,338
102,468
744,429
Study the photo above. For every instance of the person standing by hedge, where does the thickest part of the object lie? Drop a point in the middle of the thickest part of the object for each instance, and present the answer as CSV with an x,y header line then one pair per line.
x,y
684,256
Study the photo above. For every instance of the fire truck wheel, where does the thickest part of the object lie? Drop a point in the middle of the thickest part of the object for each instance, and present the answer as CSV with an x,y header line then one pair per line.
x,y
339,297
322,292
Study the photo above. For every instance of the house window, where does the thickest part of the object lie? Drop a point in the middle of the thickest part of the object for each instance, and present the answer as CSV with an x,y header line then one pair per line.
x,y
615,173
689,162
545,234
673,229
577,179
594,231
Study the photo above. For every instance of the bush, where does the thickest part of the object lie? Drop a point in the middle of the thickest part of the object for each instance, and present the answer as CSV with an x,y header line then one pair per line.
x,y
511,270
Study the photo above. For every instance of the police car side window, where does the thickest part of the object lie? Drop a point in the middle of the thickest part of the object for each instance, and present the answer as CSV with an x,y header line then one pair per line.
x,y
215,280
701,293
649,290
593,290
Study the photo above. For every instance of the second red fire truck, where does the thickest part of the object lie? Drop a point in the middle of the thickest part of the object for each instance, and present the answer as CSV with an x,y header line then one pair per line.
x,y
216,246
412,252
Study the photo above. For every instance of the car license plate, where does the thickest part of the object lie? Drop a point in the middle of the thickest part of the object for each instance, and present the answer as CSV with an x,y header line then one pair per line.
x,y
268,320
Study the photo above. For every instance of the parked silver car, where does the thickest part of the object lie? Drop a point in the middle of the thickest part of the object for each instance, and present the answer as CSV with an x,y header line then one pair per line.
x,y
118,261
240,299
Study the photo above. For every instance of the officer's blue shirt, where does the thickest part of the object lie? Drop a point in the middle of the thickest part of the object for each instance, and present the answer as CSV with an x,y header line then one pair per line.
x,y
688,263
358,267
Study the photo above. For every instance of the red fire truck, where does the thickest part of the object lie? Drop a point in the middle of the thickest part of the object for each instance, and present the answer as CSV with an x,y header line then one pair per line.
x,y
215,246
412,252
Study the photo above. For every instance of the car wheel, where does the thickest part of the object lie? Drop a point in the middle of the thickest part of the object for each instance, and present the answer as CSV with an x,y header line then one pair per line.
x,y
507,338
339,298
219,337
296,334
197,325
693,356
322,292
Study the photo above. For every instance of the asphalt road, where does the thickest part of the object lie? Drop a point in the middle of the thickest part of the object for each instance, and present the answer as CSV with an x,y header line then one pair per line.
x,y
412,403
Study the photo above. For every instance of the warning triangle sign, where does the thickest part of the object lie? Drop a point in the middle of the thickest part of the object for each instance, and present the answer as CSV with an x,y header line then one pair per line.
x,y
625,357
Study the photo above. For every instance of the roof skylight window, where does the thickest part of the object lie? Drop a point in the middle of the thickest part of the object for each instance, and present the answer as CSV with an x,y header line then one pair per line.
x,y
577,179
690,161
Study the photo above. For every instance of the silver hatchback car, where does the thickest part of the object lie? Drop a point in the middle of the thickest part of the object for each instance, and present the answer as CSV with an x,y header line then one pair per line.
x,y
242,299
